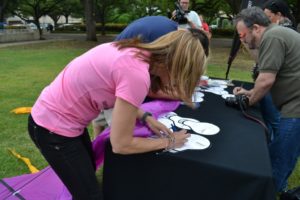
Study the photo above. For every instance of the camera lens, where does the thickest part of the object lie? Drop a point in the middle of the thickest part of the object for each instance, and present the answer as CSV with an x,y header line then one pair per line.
x,y
231,101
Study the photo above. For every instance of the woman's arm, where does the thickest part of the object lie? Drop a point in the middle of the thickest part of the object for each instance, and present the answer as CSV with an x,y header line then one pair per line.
x,y
157,127
122,139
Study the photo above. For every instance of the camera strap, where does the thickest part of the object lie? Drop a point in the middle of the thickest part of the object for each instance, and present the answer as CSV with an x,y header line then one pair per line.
x,y
251,117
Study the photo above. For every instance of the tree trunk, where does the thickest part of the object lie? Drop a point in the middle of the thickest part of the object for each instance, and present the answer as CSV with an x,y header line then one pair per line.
x,y
3,5
89,20
37,23
101,12
235,5
67,18
1,14
103,30
297,13
55,19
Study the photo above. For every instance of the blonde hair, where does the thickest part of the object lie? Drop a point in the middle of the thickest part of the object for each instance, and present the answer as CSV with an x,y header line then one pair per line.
x,y
182,53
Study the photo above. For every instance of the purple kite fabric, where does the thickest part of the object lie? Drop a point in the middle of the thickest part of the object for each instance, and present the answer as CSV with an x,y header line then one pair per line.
x,y
157,108
45,185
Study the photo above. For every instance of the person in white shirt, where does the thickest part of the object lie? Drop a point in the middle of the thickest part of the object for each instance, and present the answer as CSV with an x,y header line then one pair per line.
x,y
193,20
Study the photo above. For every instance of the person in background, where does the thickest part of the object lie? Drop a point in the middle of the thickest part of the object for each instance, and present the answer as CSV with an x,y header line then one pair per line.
x,y
205,26
50,28
192,17
279,72
112,75
279,13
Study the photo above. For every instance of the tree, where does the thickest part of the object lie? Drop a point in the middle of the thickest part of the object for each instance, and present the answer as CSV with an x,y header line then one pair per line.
x,y
235,5
89,13
5,7
35,9
70,7
110,11
142,8
295,7
66,8
55,15
213,9
113,10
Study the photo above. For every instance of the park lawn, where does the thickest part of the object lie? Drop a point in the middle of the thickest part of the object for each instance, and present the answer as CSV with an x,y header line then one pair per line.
x,y
26,70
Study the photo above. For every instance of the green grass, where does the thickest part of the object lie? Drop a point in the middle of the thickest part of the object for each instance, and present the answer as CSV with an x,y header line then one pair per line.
x,y
26,70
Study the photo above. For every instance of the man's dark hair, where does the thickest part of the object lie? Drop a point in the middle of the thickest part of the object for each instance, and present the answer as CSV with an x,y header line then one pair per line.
x,y
251,16
281,6
276,6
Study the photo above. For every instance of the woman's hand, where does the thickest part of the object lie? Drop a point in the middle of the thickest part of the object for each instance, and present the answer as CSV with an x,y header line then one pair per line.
x,y
161,130
157,127
180,138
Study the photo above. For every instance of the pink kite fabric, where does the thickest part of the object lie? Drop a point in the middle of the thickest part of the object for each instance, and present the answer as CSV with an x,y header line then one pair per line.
x,y
47,186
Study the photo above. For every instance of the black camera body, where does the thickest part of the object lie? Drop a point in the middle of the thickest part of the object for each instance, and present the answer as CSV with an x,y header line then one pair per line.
x,y
238,101
180,14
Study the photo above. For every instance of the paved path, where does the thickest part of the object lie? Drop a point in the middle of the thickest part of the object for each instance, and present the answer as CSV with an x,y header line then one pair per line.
x,y
221,42
9,44
215,42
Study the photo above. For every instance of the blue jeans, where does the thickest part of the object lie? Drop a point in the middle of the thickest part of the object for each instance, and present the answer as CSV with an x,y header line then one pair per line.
x,y
270,115
284,151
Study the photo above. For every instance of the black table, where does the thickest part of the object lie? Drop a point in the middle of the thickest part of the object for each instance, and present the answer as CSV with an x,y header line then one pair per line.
x,y
235,167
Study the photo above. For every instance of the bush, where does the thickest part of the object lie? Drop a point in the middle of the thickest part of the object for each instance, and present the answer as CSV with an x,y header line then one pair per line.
x,y
110,27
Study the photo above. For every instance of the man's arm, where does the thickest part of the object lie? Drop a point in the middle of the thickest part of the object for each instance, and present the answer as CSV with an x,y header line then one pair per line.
x,y
263,84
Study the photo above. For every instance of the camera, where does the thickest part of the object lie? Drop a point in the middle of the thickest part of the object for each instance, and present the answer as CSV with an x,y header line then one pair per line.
x,y
238,101
180,14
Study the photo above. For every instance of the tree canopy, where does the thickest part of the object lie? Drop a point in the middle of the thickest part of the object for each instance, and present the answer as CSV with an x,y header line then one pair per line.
x,y
112,11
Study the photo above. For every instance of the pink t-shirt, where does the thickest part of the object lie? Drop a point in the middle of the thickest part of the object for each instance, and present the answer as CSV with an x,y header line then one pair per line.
x,y
89,84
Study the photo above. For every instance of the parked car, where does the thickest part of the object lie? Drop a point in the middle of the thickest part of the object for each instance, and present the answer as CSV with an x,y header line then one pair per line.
x,y
18,26
68,27
32,26
213,26
65,25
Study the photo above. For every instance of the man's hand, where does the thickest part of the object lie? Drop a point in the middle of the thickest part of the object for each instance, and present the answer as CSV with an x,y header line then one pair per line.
x,y
241,91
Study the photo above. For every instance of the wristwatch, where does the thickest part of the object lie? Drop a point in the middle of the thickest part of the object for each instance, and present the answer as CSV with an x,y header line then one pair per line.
x,y
145,115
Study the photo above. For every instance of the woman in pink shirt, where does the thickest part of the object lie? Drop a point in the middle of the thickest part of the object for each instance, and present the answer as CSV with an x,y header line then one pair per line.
x,y
112,75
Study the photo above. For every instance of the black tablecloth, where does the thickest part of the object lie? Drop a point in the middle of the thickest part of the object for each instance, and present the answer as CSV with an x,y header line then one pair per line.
x,y
235,167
